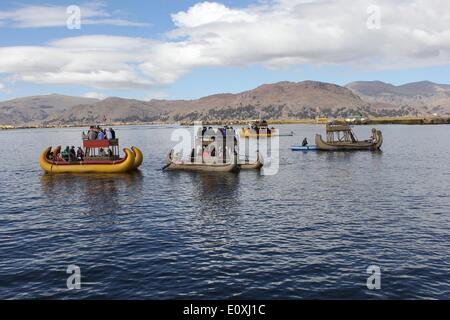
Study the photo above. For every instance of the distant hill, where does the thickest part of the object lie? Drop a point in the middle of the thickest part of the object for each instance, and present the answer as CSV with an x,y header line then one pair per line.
x,y
424,97
37,108
283,100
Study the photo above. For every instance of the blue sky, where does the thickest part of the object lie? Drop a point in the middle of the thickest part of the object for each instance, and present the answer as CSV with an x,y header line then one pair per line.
x,y
213,47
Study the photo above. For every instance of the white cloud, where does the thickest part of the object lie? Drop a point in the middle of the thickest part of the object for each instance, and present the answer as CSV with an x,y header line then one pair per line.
x,y
282,33
95,61
95,95
210,12
41,16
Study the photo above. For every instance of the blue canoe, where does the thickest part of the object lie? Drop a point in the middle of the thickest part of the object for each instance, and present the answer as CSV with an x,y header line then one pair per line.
x,y
307,148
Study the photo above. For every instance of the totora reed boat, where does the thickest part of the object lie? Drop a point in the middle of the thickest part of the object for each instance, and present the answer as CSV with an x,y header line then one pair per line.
x,y
132,160
214,151
93,158
209,166
340,137
258,129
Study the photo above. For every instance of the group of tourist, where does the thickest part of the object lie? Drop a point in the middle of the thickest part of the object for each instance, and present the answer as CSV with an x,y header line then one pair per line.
x,y
261,127
70,154
97,133
211,132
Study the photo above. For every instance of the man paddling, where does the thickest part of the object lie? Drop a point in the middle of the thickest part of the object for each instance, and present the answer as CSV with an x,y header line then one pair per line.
x,y
305,142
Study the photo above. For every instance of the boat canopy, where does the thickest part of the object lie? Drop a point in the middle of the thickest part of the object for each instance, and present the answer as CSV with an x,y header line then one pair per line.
x,y
100,143
93,147
338,128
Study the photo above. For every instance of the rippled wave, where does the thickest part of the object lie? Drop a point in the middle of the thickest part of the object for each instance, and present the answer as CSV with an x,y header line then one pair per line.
x,y
310,231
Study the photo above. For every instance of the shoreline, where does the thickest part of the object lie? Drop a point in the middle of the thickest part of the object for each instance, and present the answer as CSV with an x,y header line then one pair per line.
x,y
370,121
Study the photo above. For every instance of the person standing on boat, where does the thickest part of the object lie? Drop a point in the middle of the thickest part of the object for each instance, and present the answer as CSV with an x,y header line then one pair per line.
x,y
92,134
113,134
109,134
101,135
305,142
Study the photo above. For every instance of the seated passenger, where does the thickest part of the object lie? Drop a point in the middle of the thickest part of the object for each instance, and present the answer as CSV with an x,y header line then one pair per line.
x,y
102,153
65,154
72,154
80,154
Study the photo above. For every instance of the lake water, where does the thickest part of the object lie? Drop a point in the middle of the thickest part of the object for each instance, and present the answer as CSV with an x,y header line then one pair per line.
x,y
310,231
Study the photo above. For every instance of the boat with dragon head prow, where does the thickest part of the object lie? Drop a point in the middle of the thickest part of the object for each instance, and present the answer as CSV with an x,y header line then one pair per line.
x,y
340,137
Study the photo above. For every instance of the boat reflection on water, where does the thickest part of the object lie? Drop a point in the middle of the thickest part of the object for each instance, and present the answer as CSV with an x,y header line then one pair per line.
x,y
94,194
212,192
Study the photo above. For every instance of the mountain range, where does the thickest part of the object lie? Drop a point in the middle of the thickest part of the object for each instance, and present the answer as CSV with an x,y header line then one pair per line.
x,y
278,101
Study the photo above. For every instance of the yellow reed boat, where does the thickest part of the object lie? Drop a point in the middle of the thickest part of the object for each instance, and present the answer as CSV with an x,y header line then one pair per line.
x,y
258,129
51,160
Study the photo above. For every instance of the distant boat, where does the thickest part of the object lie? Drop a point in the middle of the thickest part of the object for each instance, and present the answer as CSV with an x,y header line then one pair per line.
x,y
258,129
340,137
287,134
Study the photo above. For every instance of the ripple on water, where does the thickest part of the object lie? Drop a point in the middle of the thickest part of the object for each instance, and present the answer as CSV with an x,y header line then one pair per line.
x,y
310,231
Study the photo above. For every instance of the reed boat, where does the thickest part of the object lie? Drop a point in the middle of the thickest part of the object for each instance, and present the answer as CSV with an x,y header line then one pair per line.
x,y
258,129
215,166
258,164
286,134
121,165
340,137
214,151
138,157
93,160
